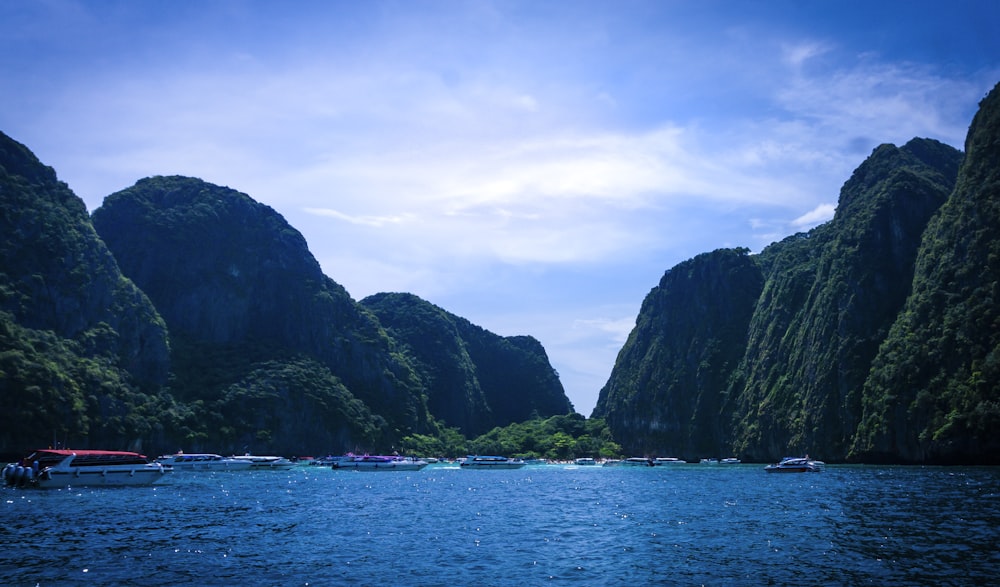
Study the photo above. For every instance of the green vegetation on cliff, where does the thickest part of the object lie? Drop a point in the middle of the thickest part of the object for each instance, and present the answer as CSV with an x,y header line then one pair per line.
x,y
475,380
934,390
872,337
665,394
829,299
562,437
82,351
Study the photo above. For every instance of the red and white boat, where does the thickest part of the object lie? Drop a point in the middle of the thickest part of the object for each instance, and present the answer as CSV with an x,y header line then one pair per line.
x,y
64,468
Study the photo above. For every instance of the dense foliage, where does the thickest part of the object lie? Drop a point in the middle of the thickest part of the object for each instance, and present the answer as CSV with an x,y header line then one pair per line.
x,y
664,394
475,380
934,391
835,359
564,437
82,350
266,354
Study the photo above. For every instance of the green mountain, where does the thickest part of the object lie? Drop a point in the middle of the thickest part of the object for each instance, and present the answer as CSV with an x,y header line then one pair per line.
x,y
264,354
828,302
767,355
279,354
475,380
83,352
933,394
665,393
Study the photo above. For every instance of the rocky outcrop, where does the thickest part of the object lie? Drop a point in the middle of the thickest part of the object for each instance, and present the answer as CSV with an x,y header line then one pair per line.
x,y
73,327
475,380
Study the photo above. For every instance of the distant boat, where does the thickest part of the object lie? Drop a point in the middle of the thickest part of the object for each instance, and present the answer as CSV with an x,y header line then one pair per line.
x,y
585,462
491,462
796,465
730,461
203,462
709,461
668,461
637,462
265,462
64,468
378,463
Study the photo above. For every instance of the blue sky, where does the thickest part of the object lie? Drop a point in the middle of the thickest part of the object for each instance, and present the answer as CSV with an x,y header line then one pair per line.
x,y
531,166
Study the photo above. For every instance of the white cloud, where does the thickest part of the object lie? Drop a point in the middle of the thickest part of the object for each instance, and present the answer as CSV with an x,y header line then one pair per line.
x,y
796,55
814,217
374,221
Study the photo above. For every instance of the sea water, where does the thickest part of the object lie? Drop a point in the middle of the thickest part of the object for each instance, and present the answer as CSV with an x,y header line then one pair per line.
x,y
540,525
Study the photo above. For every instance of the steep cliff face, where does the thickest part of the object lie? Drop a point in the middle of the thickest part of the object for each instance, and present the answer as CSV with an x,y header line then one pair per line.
x,y
475,379
73,327
238,287
665,393
766,355
829,299
934,390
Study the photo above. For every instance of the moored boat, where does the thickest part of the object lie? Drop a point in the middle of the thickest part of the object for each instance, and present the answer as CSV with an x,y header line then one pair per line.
x,y
585,462
63,468
491,462
637,462
660,461
796,465
378,463
265,462
730,461
203,462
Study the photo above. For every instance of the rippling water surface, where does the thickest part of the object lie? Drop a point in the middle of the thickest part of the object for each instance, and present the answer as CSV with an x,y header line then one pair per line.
x,y
548,524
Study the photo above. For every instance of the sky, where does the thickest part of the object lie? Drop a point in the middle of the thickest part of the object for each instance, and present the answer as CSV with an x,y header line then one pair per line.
x,y
532,166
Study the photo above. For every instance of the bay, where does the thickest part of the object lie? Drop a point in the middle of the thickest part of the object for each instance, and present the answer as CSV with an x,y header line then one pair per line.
x,y
539,525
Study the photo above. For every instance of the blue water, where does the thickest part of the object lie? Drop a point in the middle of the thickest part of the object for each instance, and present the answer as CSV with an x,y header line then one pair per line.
x,y
540,525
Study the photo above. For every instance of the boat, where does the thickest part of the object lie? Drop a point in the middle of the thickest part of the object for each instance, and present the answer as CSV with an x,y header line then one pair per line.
x,y
203,462
378,463
796,465
265,462
637,462
709,461
63,468
491,462
612,463
585,462
660,461
730,461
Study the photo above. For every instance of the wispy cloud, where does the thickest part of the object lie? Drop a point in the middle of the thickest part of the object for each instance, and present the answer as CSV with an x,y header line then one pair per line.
x,y
373,221
817,215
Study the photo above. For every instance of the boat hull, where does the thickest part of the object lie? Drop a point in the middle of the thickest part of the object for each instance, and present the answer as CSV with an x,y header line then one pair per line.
x,y
203,462
488,463
382,467
111,477
54,468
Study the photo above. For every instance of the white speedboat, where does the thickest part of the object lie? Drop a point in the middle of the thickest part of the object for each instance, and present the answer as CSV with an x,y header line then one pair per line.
x,y
660,461
730,461
637,462
585,462
796,465
265,462
64,468
203,462
491,462
378,463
